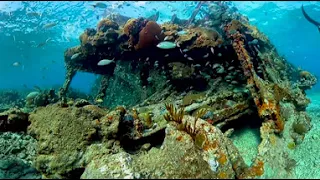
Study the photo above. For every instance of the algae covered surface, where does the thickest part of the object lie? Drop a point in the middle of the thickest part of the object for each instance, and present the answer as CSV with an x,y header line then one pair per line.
x,y
188,97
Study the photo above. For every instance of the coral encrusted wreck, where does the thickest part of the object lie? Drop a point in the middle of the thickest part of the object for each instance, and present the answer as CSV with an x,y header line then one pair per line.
x,y
172,112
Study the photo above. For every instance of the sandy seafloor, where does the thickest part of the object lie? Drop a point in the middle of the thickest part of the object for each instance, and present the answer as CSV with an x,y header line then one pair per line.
x,y
307,154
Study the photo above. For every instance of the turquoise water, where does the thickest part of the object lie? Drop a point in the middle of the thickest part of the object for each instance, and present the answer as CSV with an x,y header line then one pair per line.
x,y
21,31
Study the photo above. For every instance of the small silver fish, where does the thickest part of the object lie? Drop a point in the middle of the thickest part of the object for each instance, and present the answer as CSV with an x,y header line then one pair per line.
x,y
166,38
105,62
44,43
75,56
206,55
166,45
212,50
16,64
190,59
167,55
185,50
47,40
49,25
35,14
99,5
216,65
181,32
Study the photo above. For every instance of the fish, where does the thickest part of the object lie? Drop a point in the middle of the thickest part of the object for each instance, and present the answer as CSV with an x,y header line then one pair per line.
x,y
206,55
166,45
75,56
215,65
49,25
196,65
255,41
312,21
99,100
105,62
212,50
99,5
181,32
37,88
34,14
16,64
47,40
166,38
190,58
44,43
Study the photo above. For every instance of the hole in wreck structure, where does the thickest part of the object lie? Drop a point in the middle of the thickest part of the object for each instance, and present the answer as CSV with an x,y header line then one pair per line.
x,y
75,173
198,84
83,81
132,146
246,135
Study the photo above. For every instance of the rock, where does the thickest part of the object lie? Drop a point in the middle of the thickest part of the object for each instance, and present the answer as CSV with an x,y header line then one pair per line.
x,y
13,120
178,157
16,169
16,146
110,167
64,135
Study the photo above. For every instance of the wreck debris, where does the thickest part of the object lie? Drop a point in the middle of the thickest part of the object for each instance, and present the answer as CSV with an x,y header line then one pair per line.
x,y
195,12
215,76
268,106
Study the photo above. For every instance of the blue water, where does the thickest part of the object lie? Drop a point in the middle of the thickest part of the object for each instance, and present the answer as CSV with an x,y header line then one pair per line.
x,y
294,37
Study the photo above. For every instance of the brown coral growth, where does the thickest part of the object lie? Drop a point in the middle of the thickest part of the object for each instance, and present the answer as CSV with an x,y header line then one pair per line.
x,y
149,36
173,114
106,24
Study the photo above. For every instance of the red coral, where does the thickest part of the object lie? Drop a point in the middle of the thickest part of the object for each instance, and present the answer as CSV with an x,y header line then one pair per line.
x,y
132,29
149,36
